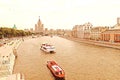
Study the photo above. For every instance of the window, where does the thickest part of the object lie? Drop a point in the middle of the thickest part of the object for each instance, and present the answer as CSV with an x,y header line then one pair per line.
x,y
56,73
60,72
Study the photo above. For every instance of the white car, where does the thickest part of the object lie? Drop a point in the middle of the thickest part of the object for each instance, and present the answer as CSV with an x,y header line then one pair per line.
x,y
48,48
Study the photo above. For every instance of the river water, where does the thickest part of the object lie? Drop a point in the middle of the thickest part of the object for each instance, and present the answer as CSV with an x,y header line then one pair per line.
x,y
79,61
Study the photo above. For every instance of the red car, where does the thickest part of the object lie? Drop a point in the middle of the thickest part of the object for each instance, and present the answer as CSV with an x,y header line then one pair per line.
x,y
57,71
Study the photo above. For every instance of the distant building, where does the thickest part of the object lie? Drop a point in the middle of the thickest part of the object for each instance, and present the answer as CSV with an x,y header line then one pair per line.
x,y
26,30
31,30
14,27
51,31
68,33
118,21
39,27
96,32
36,28
111,35
46,32
117,26
87,30
82,31
75,30
59,32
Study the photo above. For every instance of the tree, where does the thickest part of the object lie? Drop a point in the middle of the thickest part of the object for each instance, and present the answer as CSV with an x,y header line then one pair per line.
x,y
10,32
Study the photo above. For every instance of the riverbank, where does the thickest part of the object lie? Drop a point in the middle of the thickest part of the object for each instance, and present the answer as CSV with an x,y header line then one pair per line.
x,y
7,60
93,42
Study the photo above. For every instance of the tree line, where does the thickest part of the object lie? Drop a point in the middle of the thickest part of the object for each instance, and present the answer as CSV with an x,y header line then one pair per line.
x,y
10,32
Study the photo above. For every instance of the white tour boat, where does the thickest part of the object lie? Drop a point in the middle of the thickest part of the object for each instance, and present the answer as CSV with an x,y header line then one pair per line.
x,y
47,48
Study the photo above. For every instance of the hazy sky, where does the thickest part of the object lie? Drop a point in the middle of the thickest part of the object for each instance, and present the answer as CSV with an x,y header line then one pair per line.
x,y
62,14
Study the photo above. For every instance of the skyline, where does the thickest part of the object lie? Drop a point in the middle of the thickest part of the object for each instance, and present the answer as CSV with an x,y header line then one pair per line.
x,y
61,14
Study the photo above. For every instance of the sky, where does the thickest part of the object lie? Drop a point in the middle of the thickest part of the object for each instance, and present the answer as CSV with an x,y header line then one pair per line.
x,y
58,14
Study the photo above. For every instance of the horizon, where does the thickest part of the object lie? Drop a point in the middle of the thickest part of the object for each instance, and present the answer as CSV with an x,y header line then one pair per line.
x,y
63,14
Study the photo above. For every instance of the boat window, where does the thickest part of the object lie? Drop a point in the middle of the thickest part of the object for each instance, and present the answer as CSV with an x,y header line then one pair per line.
x,y
56,73
44,47
51,63
60,72
43,44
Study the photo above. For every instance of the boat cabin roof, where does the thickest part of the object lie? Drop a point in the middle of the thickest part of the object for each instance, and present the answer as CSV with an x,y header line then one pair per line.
x,y
56,68
48,46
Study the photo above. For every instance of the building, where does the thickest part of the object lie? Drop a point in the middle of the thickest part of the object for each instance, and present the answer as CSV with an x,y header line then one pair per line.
x,y
74,31
82,31
31,30
78,31
87,30
14,27
68,33
118,21
39,27
26,30
36,30
96,32
111,35
51,32
117,26
60,32
46,32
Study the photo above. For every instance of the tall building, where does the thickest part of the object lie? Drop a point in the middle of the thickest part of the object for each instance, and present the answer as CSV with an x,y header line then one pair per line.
x,y
118,21
39,28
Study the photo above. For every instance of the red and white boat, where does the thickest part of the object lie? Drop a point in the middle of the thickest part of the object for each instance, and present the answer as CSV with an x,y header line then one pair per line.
x,y
57,71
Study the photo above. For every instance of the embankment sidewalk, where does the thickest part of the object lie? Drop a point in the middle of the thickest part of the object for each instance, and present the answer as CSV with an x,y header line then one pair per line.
x,y
7,59
98,43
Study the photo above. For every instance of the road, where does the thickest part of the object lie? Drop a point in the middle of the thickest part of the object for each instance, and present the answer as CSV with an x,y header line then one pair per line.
x,y
80,61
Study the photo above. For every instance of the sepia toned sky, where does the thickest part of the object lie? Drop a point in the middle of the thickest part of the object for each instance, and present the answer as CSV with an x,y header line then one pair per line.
x,y
62,14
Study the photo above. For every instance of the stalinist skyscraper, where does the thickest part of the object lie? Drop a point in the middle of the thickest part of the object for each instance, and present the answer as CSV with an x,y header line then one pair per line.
x,y
39,28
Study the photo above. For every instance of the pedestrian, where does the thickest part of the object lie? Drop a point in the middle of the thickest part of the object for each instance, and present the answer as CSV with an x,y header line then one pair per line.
x,y
15,52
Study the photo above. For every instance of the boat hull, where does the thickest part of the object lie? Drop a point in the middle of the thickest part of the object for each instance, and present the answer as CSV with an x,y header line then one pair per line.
x,y
48,51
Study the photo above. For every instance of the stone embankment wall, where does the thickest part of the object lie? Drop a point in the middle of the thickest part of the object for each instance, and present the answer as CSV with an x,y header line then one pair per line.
x,y
97,43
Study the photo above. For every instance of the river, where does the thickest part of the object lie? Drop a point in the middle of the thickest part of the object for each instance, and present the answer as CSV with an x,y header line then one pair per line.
x,y
79,61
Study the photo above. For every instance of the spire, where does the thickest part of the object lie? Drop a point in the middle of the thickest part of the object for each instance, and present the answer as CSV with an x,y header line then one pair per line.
x,y
39,21
39,18
14,27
